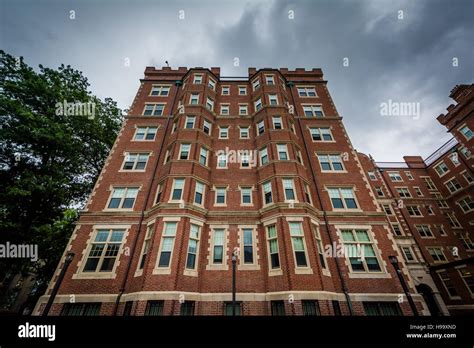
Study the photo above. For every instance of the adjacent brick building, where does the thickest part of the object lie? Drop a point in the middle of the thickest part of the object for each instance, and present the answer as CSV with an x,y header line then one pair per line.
x,y
206,165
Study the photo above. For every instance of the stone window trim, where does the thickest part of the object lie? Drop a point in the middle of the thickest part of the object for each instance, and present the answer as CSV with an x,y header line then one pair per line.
x,y
215,188
345,186
252,190
300,269
439,271
152,222
147,126
139,152
193,272
225,253
111,190
240,242
79,274
166,270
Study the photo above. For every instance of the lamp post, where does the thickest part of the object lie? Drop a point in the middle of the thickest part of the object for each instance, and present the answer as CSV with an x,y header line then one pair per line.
x,y
234,262
394,261
67,261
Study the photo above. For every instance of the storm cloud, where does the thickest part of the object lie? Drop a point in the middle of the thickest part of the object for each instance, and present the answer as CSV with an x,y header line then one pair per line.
x,y
401,51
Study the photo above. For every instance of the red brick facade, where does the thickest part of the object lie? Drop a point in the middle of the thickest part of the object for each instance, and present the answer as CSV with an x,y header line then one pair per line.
x,y
171,195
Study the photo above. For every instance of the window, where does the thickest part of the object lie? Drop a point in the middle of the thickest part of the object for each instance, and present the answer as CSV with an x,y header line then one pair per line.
x,y
273,247
418,191
330,162
218,246
429,183
203,155
207,127
319,245
267,192
248,237
440,229
409,176
437,254
356,240
453,221
269,80
244,132
135,161
429,209
320,134
80,309
244,156
153,109
277,122
197,79
193,247
441,169
440,201
242,90
123,198
467,277
154,308
263,156
222,160
177,190
260,127
282,152
159,191
190,121
278,308
396,229
413,210
382,308
407,254
225,109
467,177
310,307
104,250
395,176
289,187
453,185
228,308
187,308
342,198
313,111
372,176
387,209
403,192
199,193
379,191
466,241
273,99
194,99
145,133
167,155
146,245
257,104
184,151
307,194
246,195
336,308
297,240
299,157
465,151
220,195
466,204
225,90
306,92
160,90
224,132
211,84
256,84
210,104
466,132
127,310
424,231
243,109
448,284
167,243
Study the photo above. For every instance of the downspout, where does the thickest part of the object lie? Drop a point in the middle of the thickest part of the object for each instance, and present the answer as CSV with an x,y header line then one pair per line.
x,y
142,215
326,223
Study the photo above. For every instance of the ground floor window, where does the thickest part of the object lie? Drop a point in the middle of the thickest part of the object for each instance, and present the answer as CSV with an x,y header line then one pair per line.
x,y
187,308
382,308
80,309
154,308
336,307
278,307
311,307
228,308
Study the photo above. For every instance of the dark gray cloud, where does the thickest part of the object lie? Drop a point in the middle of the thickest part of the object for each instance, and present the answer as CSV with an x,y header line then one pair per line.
x,y
405,60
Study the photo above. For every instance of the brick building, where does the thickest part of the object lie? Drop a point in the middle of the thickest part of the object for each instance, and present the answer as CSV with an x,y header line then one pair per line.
x,y
206,164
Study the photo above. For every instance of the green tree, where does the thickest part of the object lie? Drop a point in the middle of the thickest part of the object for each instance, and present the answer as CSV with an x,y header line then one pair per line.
x,y
49,158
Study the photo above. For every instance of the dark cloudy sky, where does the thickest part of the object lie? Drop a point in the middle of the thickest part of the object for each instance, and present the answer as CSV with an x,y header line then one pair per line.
x,y
403,60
